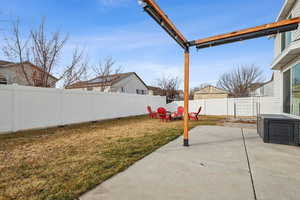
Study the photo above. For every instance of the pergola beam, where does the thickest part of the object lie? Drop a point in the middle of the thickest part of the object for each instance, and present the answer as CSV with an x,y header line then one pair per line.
x,y
249,33
162,19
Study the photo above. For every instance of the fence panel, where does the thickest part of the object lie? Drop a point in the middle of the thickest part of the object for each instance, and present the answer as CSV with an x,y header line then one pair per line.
x,y
6,109
30,107
249,106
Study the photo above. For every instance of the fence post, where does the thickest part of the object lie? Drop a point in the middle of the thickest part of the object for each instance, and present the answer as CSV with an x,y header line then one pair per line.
x,y
234,109
252,106
227,108
61,96
204,100
15,106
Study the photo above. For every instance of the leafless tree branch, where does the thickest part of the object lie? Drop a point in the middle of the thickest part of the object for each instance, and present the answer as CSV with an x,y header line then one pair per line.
x,y
76,71
170,87
46,51
104,69
239,81
16,49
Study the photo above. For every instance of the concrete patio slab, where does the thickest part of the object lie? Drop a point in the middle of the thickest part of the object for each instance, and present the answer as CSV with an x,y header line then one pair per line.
x,y
214,167
275,168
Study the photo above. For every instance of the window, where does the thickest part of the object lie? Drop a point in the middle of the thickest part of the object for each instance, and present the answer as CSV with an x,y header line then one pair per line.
x,y
140,91
286,38
295,107
287,91
3,80
291,90
89,88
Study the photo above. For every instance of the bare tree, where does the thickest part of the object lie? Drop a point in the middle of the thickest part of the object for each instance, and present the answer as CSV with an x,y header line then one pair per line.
x,y
46,51
38,48
17,49
105,69
170,87
76,71
239,81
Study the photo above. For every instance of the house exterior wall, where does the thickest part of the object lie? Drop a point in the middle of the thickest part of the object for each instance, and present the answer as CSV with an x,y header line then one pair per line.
x,y
277,46
266,90
271,89
209,96
277,84
290,57
130,85
210,92
15,75
293,12
296,13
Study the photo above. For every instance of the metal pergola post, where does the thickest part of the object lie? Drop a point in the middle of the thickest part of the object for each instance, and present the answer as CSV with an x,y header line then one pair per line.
x,y
151,7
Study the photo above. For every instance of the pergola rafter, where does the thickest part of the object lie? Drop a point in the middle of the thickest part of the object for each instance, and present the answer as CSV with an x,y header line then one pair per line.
x,y
151,7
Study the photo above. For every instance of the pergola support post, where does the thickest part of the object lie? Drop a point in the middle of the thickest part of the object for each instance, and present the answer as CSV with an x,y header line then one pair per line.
x,y
186,97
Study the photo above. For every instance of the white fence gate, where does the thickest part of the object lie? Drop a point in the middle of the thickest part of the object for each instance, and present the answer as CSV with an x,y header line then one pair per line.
x,y
30,107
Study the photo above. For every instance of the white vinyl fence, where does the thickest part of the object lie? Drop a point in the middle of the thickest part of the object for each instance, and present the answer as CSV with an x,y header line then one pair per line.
x,y
250,106
30,107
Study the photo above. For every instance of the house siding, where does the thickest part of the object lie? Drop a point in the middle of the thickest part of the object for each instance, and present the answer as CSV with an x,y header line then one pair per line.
x,y
290,56
278,88
295,11
130,85
210,92
277,46
210,96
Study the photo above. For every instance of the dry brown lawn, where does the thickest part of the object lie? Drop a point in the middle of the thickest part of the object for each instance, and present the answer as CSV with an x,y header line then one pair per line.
x,y
62,163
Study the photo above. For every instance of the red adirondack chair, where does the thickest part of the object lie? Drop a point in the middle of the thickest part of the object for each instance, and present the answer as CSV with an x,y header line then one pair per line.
x,y
194,115
179,113
151,113
163,115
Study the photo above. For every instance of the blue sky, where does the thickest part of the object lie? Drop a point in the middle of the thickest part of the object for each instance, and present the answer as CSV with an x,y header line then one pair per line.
x,y
119,28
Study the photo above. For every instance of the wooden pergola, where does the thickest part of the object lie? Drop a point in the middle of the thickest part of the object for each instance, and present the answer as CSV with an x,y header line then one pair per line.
x,y
151,7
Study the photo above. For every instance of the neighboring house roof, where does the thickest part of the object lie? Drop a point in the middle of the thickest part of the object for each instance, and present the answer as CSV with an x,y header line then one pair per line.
x,y
101,81
6,64
156,90
159,91
259,85
255,86
210,89
3,62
